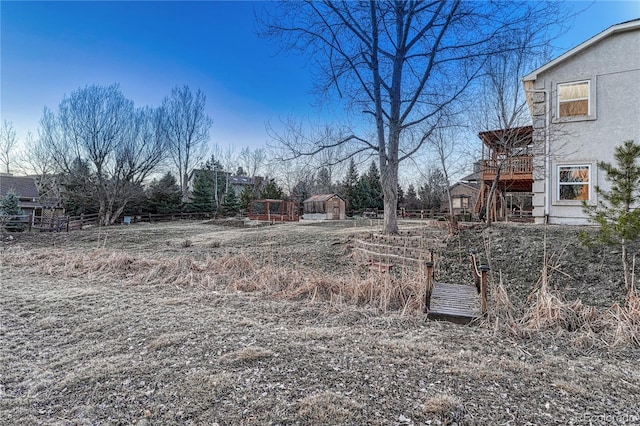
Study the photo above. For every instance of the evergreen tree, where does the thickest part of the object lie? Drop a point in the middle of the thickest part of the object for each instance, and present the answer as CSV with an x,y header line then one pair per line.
x,y
202,197
411,199
230,205
272,191
323,182
401,200
369,189
9,206
300,192
348,190
434,190
164,195
246,196
616,211
218,178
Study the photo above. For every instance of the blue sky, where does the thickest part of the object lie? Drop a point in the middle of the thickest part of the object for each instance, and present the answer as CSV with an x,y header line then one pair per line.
x,y
49,49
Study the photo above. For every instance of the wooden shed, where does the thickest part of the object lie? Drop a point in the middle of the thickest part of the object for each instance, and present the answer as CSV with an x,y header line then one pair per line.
x,y
274,210
324,207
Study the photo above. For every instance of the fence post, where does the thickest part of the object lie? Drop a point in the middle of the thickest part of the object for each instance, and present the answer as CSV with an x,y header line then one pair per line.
x,y
483,287
429,289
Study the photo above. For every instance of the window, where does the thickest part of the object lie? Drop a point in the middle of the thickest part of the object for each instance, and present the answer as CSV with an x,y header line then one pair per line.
x,y
573,99
461,202
573,182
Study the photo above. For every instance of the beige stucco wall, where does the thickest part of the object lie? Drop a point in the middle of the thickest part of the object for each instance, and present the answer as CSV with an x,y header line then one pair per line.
x,y
612,66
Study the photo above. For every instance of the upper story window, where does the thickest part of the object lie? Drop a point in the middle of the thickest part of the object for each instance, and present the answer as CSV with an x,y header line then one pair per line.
x,y
573,99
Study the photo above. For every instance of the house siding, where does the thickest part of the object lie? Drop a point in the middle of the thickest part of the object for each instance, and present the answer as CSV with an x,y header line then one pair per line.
x,y
612,65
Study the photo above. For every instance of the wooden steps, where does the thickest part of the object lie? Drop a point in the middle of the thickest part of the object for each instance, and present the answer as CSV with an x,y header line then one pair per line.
x,y
454,302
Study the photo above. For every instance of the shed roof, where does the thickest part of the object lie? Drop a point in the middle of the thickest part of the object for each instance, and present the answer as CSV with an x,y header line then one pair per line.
x,y
321,197
24,187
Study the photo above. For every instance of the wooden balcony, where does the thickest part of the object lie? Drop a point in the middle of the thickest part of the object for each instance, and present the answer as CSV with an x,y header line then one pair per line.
x,y
513,169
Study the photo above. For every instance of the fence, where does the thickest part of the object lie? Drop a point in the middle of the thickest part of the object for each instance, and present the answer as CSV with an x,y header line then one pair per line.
x,y
72,223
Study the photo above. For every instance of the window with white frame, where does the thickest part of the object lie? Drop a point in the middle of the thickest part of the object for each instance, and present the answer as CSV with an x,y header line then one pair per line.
x,y
573,182
573,99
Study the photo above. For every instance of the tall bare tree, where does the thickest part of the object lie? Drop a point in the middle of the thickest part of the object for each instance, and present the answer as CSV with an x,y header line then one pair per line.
x,y
8,143
99,126
502,109
402,63
252,160
186,126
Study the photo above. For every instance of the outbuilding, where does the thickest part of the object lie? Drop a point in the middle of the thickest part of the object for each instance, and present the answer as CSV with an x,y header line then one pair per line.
x,y
324,207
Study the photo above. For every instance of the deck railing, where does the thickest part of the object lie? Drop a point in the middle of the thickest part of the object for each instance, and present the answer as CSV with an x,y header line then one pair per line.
x,y
510,168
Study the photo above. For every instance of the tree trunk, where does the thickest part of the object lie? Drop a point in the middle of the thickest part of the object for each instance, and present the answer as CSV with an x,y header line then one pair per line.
x,y
625,268
492,191
389,182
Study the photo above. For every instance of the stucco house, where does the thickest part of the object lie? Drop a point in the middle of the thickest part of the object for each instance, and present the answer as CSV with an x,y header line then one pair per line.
x,y
583,103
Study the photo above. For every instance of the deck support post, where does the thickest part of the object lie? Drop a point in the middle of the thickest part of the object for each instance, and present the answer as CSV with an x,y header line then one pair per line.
x,y
484,269
429,281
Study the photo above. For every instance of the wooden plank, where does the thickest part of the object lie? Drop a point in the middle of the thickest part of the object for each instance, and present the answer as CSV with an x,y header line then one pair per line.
x,y
454,302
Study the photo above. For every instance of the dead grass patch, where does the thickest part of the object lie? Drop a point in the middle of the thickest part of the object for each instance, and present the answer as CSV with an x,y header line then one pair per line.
x,y
446,406
570,388
327,408
245,355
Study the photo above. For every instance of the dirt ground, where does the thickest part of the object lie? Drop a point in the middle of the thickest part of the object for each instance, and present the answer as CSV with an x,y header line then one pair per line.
x,y
138,325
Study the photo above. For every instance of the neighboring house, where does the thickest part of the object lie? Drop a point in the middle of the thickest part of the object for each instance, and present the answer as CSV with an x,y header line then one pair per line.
x,y
463,198
26,190
584,103
238,183
257,183
508,155
324,207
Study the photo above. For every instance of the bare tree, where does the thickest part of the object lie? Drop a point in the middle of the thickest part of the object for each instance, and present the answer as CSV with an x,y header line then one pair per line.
x,y
37,160
402,63
8,142
252,160
503,114
186,127
445,141
99,126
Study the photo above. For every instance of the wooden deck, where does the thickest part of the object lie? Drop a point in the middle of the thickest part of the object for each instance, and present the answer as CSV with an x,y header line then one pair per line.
x,y
454,302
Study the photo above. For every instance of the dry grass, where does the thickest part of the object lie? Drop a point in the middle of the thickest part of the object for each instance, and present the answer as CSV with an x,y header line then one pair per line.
x,y
403,291
245,355
446,406
235,272
327,408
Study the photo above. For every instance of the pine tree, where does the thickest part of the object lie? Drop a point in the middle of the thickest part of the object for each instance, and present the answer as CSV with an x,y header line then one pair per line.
x,y
370,188
401,200
348,190
202,198
617,210
272,191
323,182
164,195
246,196
411,198
9,206
230,206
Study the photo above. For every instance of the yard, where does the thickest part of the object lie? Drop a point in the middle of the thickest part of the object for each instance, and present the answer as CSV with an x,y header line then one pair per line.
x,y
202,323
